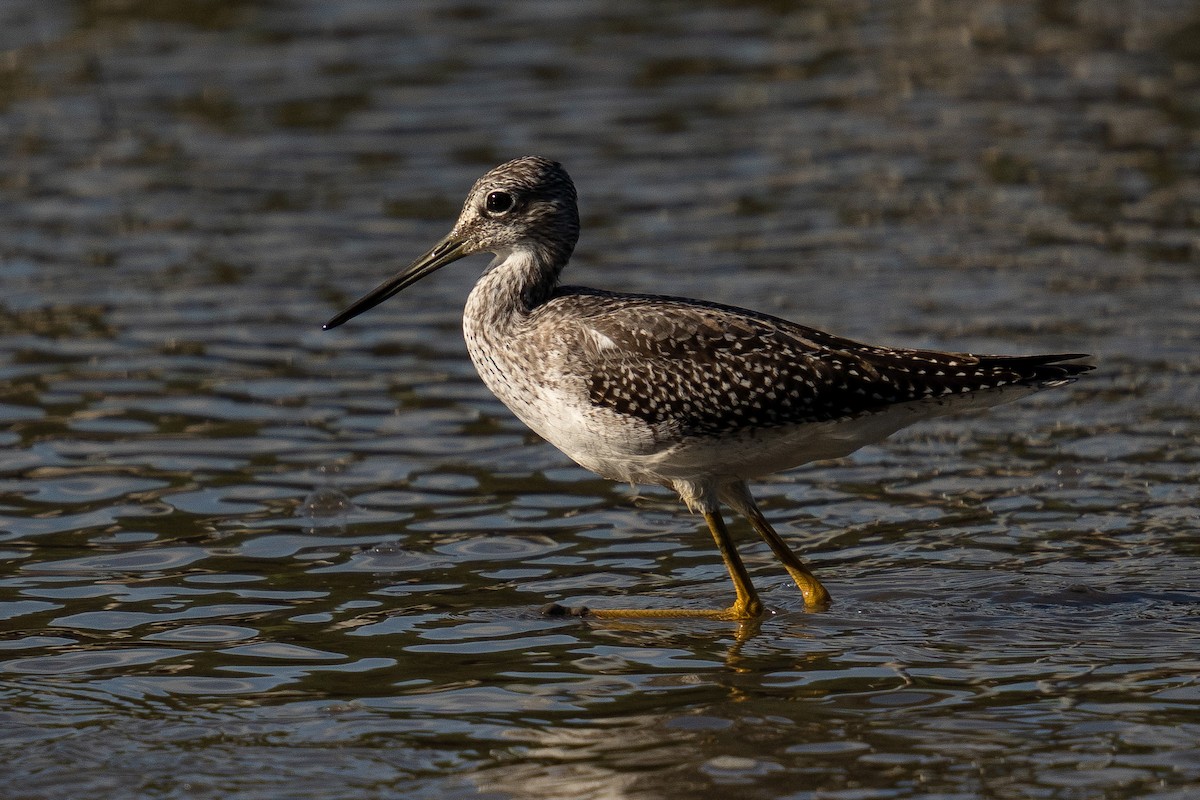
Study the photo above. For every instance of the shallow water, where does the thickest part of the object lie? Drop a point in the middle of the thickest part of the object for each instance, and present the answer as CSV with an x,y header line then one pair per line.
x,y
244,558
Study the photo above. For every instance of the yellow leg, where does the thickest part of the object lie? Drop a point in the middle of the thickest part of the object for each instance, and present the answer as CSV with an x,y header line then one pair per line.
x,y
745,606
816,596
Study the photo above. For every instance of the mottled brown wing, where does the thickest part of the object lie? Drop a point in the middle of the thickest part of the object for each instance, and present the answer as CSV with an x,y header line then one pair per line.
x,y
703,368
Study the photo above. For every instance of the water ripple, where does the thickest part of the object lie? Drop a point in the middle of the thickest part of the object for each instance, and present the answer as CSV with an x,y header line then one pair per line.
x,y
247,558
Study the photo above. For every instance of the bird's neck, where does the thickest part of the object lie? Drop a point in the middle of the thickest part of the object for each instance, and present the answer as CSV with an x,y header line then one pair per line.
x,y
515,283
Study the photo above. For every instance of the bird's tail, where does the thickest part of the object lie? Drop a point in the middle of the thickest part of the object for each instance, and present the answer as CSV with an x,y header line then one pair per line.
x,y
1042,372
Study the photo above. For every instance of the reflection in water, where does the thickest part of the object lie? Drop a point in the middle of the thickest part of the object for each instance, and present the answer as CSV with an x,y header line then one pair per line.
x,y
239,558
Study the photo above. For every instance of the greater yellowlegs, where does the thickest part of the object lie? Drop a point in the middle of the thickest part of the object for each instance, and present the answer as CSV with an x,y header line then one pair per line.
x,y
695,396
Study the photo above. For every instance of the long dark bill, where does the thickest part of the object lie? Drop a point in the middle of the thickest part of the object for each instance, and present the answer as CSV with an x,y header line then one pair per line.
x,y
444,252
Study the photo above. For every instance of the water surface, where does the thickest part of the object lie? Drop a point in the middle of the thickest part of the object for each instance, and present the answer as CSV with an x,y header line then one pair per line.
x,y
245,558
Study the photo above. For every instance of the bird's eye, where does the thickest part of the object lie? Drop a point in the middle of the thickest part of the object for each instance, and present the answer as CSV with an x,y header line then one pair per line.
x,y
499,202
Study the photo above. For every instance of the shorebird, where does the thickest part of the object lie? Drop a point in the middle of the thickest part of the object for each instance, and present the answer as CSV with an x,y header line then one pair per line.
x,y
696,396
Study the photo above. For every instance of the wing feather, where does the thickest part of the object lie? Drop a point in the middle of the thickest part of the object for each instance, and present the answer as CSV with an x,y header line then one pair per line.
x,y
699,368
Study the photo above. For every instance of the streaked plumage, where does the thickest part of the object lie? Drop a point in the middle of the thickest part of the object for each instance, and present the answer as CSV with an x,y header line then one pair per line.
x,y
696,396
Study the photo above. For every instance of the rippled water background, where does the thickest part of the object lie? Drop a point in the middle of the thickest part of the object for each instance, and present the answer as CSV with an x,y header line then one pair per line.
x,y
243,558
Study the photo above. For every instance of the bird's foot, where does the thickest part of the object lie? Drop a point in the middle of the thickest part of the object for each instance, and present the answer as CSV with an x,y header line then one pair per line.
x,y
816,596
737,612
